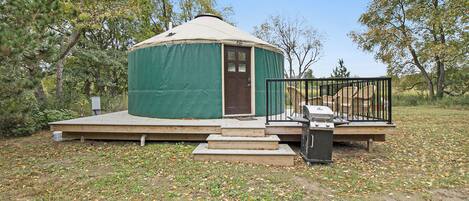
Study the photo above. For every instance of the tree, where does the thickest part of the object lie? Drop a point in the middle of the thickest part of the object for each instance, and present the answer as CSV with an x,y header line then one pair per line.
x,y
82,17
112,25
191,8
73,49
308,74
340,71
163,12
427,36
457,82
26,43
26,46
301,44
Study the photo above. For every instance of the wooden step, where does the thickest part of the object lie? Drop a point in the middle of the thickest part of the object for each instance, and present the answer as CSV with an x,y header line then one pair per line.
x,y
243,129
243,132
269,142
284,156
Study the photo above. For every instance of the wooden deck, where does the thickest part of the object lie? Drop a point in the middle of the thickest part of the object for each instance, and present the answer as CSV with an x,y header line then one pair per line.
x,y
122,126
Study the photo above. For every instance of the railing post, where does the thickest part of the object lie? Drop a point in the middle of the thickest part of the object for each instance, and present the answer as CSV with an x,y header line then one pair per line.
x,y
266,102
306,92
389,101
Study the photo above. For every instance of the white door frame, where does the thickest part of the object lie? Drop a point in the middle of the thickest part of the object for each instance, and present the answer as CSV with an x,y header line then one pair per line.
x,y
253,82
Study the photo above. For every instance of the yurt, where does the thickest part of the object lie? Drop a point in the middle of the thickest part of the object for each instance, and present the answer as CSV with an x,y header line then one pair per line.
x,y
205,68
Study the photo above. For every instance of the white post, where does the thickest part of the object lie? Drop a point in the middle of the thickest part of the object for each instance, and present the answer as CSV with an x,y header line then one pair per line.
x,y
369,145
142,140
57,136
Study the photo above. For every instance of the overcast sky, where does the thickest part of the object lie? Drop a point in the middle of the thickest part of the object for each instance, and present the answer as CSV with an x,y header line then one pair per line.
x,y
334,18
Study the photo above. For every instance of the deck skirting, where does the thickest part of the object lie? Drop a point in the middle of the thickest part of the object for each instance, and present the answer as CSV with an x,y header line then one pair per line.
x,y
122,126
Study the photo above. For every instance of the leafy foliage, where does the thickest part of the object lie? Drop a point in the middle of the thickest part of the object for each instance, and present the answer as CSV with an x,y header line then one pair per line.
x,y
16,113
26,45
55,54
191,8
425,36
42,118
308,74
340,71
457,82
416,98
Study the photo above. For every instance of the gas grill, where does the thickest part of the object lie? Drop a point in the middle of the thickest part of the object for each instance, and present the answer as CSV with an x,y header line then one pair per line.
x,y
316,139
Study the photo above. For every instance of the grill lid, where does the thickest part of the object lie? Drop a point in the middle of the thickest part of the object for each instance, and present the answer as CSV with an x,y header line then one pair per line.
x,y
318,113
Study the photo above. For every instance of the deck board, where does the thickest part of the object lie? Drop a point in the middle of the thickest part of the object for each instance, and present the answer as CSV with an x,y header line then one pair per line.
x,y
121,125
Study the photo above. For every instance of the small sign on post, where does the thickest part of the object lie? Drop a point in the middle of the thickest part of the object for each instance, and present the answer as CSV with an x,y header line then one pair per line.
x,y
96,105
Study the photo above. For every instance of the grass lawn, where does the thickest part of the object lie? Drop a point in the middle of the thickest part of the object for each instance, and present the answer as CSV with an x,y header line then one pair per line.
x,y
428,158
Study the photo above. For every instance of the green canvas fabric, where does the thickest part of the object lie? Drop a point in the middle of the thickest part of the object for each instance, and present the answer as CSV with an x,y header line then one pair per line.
x,y
268,64
176,81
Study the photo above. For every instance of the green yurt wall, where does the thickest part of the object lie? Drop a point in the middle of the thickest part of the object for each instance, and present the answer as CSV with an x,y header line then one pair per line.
x,y
175,81
268,64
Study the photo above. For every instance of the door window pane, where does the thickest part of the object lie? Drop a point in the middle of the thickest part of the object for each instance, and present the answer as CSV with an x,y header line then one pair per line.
x,y
231,67
231,55
242,68
241,56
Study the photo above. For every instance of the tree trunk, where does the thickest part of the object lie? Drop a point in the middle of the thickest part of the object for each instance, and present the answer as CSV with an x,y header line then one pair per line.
x,y
440,66
64,50
165,15
40,95
430,87
440,83
431,92
87,88
59,78
99,83
290,67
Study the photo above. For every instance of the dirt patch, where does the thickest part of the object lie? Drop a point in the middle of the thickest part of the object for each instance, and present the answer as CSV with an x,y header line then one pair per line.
x,y
435,195
455,194
158,186
312,189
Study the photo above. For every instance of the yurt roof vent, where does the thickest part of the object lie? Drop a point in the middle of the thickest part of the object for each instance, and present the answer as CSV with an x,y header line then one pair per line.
x,y
170,26
209,15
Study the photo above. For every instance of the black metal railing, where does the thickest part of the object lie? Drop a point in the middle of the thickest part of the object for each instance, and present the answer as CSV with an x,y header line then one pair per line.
x,y
352,99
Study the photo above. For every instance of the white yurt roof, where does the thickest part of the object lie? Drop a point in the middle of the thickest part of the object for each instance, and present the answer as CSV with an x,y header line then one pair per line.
x,y
206,28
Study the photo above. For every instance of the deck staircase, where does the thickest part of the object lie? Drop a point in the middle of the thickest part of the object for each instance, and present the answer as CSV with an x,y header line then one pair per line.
x,y
245,143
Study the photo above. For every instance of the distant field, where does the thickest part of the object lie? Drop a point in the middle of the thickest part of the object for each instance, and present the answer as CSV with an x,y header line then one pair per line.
x,y
428,158
414,98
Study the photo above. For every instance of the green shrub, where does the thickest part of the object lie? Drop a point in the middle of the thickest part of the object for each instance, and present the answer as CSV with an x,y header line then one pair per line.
x,y
109,103
413,99
409,100
454,102
16,124
15,112
43,118
114,103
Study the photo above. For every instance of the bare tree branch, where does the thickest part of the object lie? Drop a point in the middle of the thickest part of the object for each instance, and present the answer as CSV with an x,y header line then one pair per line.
x,y
301,44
